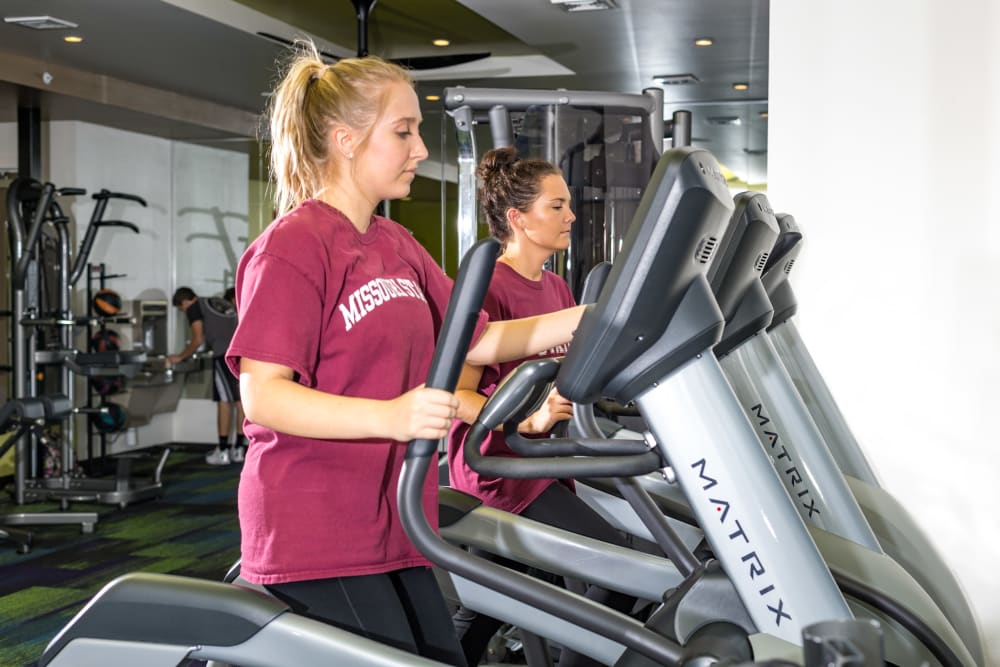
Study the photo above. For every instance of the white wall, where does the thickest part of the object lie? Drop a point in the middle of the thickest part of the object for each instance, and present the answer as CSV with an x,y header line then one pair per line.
x,y
896,191
191,233
211,201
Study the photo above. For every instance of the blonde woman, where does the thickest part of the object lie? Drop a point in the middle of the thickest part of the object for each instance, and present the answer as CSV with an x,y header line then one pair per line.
x,y
339,309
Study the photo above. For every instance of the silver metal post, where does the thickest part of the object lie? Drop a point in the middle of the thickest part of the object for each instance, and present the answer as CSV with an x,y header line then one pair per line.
x,y
820,402
467,163
738,499
797,450
66,340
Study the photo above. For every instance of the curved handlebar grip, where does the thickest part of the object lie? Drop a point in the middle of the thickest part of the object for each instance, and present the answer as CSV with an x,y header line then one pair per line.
x,y
618,464
519,392
466,301
518,396
107,194
549,447
118,223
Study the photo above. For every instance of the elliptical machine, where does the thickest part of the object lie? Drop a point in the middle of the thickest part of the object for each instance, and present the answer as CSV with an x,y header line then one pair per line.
x,y
161,620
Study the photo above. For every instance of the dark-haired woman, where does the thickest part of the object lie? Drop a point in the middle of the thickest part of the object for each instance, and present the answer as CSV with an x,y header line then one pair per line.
x,y
527,207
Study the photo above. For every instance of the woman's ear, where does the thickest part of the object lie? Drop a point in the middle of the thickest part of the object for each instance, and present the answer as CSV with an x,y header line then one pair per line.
x,y
342,140
514,218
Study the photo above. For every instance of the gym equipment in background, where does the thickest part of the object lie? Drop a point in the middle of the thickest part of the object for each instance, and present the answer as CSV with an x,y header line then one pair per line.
x,y
606,145
111,420
25,416
31,206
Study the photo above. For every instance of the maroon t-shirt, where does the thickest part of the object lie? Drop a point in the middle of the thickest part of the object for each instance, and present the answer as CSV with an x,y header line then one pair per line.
x,y
355,315
510,296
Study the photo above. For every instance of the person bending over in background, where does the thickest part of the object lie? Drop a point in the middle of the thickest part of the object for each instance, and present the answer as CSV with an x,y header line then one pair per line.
x,y
526,204
215,328
339,310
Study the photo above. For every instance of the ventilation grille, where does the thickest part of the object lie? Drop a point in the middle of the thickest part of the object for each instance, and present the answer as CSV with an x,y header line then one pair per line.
x,y
788,265
707,249
723,121
761,261
584,5
40,22
676,79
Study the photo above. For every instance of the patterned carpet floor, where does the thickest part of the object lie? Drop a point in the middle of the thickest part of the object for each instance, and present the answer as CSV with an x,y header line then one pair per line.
x,y
192,530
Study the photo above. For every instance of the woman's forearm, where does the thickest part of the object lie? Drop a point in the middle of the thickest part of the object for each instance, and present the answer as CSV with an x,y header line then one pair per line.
x,y
284,405
470,403
516,339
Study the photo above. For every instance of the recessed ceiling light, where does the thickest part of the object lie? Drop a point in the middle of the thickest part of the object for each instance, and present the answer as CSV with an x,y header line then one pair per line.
x,y
741,86
763,114
73,39
432,98
704,41
441,42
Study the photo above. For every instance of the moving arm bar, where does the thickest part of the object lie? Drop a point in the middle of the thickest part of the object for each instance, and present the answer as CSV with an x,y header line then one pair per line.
x,y
627,465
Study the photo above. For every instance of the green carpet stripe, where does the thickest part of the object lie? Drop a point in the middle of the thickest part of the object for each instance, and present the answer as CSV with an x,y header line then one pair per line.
x,y
147,529
168,565
21,653
167,526
202,547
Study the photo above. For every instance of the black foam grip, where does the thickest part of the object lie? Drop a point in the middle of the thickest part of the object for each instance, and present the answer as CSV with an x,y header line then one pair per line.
x,y
474,275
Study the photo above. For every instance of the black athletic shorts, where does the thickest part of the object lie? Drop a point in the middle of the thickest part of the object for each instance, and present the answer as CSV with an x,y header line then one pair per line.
x,y
225,386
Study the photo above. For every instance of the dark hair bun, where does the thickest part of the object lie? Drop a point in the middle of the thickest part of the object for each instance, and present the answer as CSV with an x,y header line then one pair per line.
x,y
497,162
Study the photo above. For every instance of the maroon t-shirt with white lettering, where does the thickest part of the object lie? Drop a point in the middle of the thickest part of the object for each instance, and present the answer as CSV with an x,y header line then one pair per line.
x,y
510,296
355,315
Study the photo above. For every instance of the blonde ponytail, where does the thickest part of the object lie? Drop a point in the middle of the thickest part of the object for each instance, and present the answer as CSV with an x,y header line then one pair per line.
x,y
312,98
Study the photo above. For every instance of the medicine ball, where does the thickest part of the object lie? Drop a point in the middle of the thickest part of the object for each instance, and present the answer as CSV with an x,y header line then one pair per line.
x,y
111,421
105,340
107,302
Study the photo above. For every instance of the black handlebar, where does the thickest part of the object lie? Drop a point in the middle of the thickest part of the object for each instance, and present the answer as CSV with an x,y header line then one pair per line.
x,y
104,195
119,223
96,223
518,396
456,330
30,238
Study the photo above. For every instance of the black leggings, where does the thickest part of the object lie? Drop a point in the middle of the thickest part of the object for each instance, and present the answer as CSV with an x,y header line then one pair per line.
x,y
404,609
559,507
